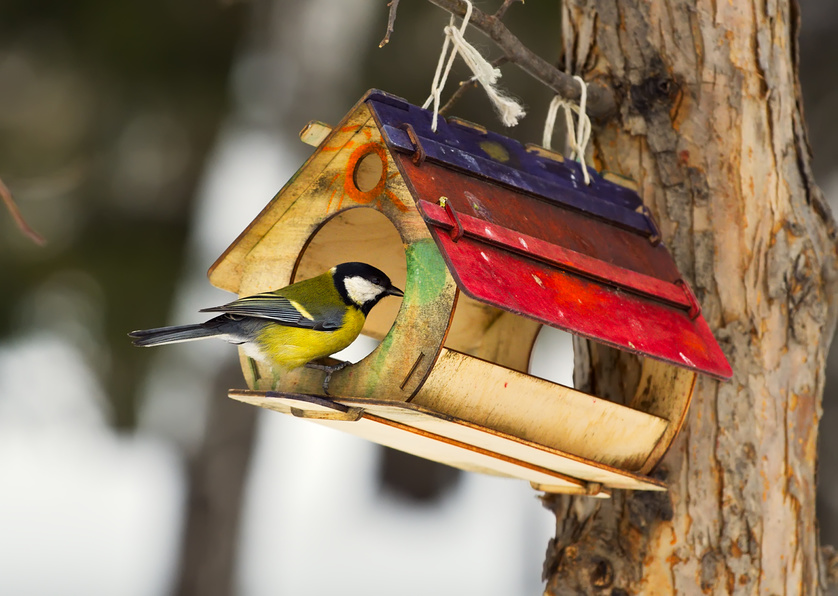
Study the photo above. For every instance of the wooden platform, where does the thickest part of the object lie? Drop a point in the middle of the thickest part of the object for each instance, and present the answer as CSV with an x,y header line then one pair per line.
x,y
453,441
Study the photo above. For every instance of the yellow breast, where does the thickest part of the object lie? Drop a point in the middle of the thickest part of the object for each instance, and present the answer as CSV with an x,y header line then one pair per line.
x,y
288,348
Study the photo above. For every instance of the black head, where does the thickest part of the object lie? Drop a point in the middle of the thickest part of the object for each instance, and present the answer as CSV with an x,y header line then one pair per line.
x,y
362,285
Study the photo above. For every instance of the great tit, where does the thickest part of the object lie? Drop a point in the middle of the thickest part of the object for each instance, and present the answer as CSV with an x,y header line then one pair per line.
x,y
292,326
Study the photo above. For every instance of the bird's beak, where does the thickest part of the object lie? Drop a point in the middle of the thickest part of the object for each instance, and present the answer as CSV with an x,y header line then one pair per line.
x,y
394,291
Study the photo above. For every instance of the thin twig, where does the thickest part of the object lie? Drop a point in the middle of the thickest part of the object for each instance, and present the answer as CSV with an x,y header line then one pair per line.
x,y
461,90
391,22
600,97
468,84
504,7
9,201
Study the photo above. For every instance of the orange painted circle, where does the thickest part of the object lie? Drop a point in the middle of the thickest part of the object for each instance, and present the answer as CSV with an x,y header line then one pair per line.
x,y
349,187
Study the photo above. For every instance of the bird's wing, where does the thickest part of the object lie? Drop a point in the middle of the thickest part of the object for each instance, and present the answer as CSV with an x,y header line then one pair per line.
x,y
282,310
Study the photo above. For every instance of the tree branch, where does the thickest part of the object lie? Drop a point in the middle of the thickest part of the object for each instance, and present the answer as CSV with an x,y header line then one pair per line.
x,y
391,22
500,12
9,201
830,558
466,85
600,97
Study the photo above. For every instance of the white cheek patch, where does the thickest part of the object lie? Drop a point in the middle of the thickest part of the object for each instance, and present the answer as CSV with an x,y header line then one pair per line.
x,y
361,290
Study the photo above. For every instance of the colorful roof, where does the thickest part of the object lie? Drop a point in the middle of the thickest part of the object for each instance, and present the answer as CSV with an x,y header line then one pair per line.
x,y
520,230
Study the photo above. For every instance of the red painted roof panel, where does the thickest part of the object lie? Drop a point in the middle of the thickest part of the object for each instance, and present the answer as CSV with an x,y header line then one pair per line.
x,y
564,269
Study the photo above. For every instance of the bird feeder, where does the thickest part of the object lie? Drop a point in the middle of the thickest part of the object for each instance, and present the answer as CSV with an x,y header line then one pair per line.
x,y
490,240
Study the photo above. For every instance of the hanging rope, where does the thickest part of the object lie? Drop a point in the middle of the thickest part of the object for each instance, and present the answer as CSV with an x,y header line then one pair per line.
x,y
577,136
509,110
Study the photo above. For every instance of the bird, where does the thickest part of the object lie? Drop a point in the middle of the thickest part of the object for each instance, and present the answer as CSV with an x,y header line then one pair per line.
x,y
292,326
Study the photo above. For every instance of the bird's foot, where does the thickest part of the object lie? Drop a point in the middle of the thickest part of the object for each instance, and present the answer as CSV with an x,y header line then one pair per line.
x,y
329,370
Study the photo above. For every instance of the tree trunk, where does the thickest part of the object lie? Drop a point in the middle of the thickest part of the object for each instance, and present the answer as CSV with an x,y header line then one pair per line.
x,y
217,474
710,123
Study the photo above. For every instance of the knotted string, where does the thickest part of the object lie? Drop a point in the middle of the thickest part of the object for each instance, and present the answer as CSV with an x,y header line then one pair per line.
x,y
509,110
577,137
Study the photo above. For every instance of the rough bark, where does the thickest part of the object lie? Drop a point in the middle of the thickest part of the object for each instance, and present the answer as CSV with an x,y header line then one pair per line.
x,y
710,123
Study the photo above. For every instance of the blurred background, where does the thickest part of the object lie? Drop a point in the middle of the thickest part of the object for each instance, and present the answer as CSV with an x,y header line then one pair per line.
x,y
140,138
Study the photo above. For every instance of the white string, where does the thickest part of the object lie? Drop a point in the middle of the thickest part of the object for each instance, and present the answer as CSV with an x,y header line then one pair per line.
x,y
577,137
509,110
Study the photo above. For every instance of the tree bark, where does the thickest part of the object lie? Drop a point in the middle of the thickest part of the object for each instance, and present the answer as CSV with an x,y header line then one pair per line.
x,y
710,123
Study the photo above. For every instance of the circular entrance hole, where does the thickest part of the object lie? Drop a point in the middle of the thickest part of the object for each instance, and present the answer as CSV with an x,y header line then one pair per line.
x,y
361,234
368,172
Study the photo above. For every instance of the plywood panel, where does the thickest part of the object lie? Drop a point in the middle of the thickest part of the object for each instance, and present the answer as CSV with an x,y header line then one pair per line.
x,y
226,273
455,442
664,391
539,411
490,333
315,132
269,252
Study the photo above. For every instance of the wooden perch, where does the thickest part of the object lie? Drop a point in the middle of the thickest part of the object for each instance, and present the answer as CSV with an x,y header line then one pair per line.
x,y
600,97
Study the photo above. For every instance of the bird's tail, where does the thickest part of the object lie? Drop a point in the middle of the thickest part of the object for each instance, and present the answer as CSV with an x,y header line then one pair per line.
x,y
173,335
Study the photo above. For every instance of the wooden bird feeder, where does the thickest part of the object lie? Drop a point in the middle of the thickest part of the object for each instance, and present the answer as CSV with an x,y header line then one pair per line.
x,y
489,240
